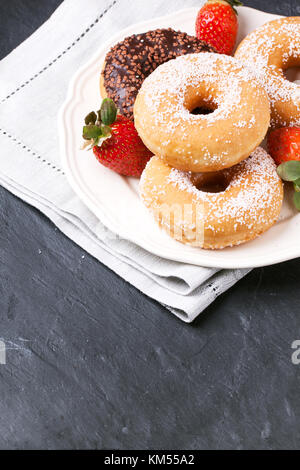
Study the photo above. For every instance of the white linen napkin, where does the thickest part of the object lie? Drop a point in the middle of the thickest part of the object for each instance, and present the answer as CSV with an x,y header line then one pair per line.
x,y
33,85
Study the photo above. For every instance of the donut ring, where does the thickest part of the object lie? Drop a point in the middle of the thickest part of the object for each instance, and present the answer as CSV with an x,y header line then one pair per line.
x,y
129,62
272,49
248,206
201,143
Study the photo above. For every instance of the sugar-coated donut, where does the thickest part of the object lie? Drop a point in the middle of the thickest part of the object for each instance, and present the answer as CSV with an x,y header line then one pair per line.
x,y
129,62
164,118
249,202
270,50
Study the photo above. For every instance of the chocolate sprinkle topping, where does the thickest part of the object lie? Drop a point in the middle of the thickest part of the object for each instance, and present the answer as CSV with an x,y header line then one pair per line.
x,y
130,62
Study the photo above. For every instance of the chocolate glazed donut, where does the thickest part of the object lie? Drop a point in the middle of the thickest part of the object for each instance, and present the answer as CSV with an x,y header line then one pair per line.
x,y
129,62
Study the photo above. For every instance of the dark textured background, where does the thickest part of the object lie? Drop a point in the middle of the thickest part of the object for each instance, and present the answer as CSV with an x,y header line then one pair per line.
x,y
92,363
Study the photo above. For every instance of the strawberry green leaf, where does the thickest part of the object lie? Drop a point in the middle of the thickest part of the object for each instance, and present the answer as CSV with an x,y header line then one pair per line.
x,y
108,112
91,118
289,171
91,132
106,131
297,201
234,3
95,142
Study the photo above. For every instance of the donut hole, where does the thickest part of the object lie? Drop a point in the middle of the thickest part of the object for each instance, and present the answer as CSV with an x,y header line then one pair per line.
x,y
291,69
201,110
292,74
215,182
199,102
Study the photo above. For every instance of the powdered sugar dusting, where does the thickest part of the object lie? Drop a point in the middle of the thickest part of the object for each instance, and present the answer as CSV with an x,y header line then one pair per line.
x,y
217,80
174,77
268,51
251,200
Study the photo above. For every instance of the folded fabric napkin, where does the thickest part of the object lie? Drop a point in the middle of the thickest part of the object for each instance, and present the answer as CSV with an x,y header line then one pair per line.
x,y
33,84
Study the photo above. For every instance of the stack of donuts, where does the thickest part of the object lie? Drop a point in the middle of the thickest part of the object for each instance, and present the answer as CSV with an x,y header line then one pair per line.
x,y
204,116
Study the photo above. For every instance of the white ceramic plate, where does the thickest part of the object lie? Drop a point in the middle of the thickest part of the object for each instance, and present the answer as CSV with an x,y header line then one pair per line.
x,y
115,200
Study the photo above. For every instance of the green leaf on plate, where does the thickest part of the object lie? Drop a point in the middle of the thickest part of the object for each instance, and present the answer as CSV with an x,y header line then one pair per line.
x,y
297,185
289,171
297,201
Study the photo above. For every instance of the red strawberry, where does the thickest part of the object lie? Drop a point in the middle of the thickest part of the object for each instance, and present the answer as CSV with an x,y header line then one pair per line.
x,y
284,144
115,141
217,24
124,152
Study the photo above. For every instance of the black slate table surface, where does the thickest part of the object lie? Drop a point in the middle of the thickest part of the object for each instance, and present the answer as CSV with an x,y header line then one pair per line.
x,y
93,363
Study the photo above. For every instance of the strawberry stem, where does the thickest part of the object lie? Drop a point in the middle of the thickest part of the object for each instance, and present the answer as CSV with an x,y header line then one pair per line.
x,y
97,126
232,3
